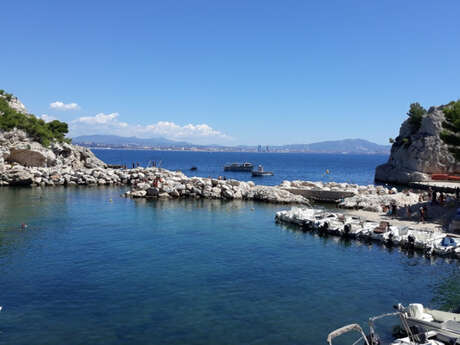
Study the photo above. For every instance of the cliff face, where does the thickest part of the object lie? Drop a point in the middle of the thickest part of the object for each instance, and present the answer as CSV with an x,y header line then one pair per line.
x,y
416,154
16,147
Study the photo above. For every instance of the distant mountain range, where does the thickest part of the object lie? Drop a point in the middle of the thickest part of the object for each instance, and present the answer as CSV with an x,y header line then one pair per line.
x,y
336,146
345,145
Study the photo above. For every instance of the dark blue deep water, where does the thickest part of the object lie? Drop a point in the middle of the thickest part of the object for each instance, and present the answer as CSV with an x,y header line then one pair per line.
x,y
95,268
286,166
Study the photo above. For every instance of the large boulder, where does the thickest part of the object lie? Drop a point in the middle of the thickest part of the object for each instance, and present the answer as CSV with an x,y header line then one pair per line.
x,y
31,154
416,154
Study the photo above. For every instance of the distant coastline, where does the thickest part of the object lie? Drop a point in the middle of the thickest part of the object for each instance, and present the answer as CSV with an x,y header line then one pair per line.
x,y
193,149
345,146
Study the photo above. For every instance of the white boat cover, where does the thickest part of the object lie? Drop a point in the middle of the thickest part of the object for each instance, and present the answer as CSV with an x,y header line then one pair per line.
x,y
417,311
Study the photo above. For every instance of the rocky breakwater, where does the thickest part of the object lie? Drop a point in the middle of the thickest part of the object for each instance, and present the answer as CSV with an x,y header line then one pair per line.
x,y
163,184
369,198
418,151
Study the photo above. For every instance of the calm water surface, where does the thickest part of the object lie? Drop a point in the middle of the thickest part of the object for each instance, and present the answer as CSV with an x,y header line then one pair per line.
x,y
358,169
95,268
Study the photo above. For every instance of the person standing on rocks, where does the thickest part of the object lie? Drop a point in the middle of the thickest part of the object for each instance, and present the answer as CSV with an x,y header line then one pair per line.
x,y
422,214
433,199
394,210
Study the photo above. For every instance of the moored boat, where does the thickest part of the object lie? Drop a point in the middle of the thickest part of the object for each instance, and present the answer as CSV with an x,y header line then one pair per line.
x,y
418,317
413,335
246,167
261,172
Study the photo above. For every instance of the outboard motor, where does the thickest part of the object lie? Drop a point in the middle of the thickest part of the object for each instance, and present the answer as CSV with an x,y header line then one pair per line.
x,y
347,229
323,228
411,241
390,238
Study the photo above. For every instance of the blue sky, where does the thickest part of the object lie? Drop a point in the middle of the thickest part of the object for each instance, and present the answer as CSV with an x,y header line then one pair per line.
x,y
231,72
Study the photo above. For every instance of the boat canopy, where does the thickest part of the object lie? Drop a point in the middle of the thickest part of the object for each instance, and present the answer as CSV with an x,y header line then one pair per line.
x,y
345,329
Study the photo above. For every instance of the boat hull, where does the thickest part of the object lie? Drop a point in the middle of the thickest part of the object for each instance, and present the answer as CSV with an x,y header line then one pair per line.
x,y
261,173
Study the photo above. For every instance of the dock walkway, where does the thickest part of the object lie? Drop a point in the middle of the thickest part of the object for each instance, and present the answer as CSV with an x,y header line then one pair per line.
x,y
321,196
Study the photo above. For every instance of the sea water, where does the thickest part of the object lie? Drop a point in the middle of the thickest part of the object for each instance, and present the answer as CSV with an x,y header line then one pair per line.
x,y
349,168
92,267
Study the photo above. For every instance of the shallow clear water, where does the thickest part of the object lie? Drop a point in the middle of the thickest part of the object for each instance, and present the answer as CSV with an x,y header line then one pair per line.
x,y
95,268
358,169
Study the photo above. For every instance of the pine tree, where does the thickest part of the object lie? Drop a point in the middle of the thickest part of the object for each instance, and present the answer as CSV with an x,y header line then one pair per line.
x,y
451,128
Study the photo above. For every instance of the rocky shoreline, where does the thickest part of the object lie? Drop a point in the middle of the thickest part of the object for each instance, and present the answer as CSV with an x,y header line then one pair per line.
x,y
157,183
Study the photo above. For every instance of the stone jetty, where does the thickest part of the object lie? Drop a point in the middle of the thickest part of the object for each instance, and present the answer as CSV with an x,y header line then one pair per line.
x,y
163,184
369,198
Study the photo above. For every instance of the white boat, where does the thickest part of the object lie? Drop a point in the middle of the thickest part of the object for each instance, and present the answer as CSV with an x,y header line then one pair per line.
x,y
322,221
396,234
445,245
336,225
261,172
428,338
446,324
368,228
457,253
303,217
353,226
380,232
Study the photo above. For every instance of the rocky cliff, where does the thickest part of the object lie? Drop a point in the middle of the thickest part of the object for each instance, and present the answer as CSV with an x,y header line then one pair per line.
x,y
418,152
18,148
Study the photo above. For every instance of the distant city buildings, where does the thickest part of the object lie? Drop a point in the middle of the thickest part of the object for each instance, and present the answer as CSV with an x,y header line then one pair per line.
x,y
261,149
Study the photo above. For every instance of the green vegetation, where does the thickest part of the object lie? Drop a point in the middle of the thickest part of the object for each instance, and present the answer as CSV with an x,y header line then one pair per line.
x,y
415,114
451,128
8,96
39,130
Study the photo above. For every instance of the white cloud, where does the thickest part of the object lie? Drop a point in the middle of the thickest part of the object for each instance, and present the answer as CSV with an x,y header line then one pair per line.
x,y
63,106
47,118
110,124
100,118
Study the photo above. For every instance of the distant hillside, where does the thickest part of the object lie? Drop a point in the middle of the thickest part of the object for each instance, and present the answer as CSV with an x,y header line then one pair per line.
x,y
115,140
358,146
340,146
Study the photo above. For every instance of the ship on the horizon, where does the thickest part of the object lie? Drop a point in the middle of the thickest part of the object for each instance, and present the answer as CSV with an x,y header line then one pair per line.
x,y
246,167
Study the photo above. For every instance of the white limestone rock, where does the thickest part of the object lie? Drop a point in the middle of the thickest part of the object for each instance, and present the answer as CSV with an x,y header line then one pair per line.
x,y
423,154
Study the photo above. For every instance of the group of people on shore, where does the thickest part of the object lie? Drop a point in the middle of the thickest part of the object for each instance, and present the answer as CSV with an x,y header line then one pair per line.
x,y
435,198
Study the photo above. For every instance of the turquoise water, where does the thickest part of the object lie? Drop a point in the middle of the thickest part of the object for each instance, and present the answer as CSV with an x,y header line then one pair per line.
x,y
95,268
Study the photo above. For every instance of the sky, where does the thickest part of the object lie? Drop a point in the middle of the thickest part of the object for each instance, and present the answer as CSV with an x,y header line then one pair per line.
x,y
231,72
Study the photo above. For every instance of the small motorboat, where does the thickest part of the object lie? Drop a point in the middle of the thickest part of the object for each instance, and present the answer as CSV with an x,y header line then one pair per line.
x,y
261,172
444,323
380,232
414,336
193,168
445,245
